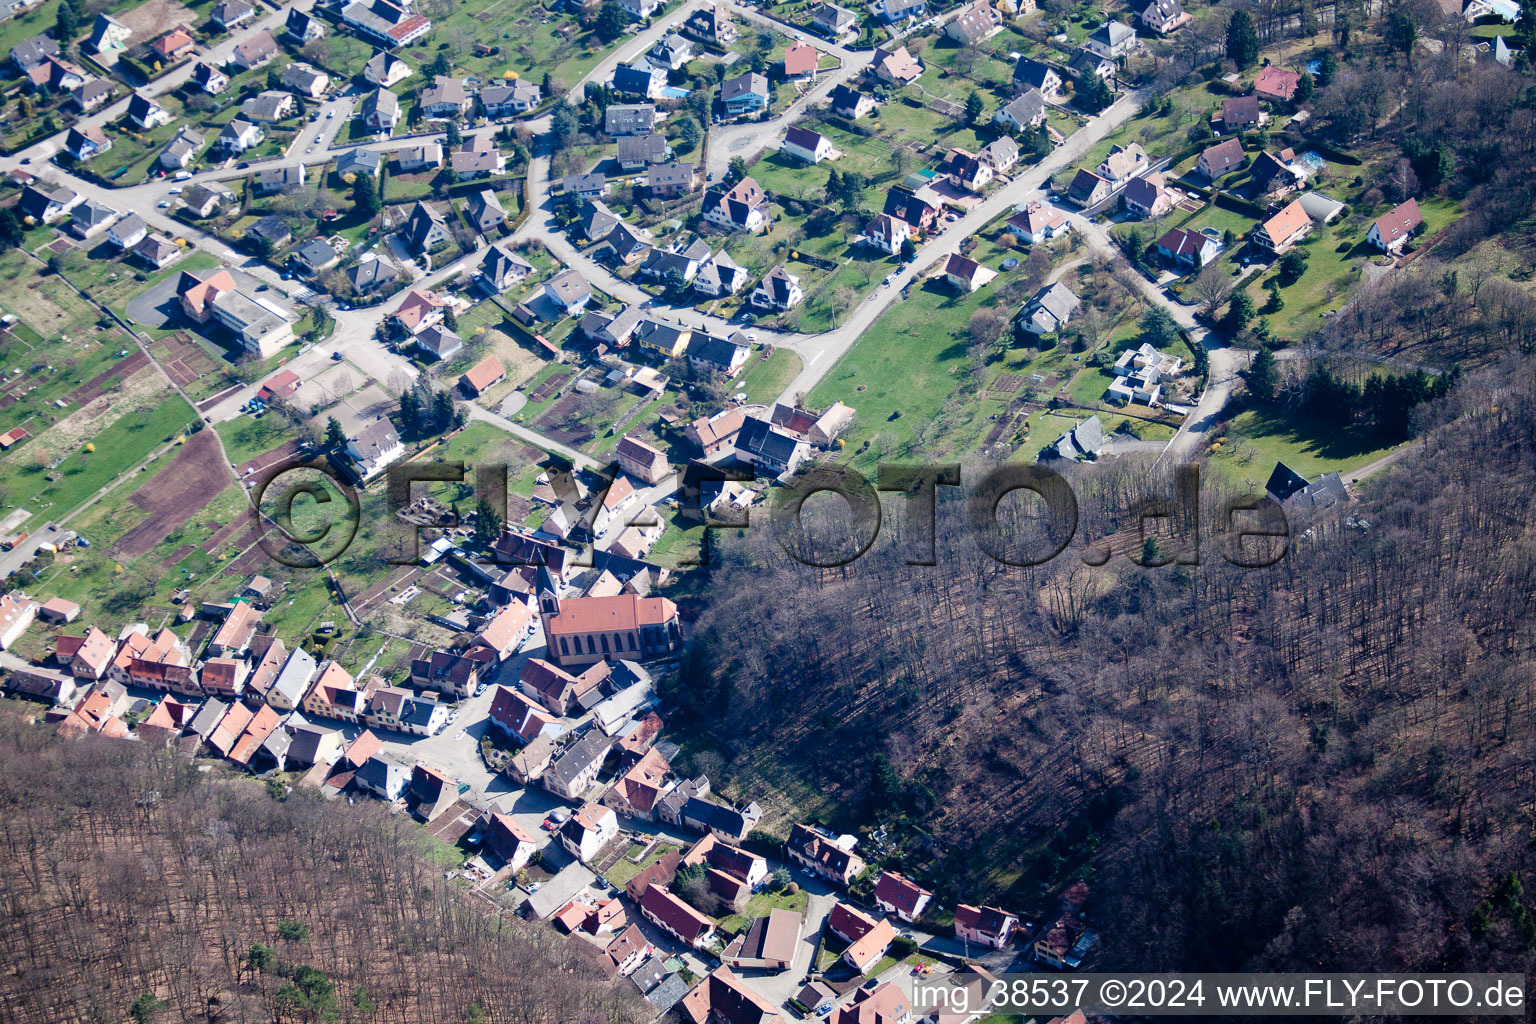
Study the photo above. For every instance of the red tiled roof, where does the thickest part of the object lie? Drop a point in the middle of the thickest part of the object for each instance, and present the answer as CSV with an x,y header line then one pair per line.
x,y
674,913
607,614
850,922
1399,222
899,891
484,373
801,59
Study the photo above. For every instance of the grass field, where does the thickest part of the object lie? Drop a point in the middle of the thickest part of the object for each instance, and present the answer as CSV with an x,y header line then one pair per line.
x,y
1308,447
246,437
765,379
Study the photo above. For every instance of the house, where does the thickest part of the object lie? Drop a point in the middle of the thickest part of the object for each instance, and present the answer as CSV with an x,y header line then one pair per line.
x,y
1112,39
501,270
426,229
558,690
720,275
385,69
302,28
57,74
1292,490
414,159
629,119
639,78
1392,230
360,161
625,624
181,149
641,461
636,152
824,854
109,37
382,777
507,98
203,200
833,21
1000,154
1145,197
90,219
315,256
174,45
484,212
1088,189
520,718
744,94
508,840
1277,175
891,11
778,290
887,234
312,744
572,773
896,67
1049,311
305,80
374,447
585,186
17,612
1239,113
1276,84
1085,63
671,51
1123,162
640,9
886,1002
1286,228
713,434
1163,16
899,895
224,677
711,24
804,144
974,24
97,712
292,681
156,252
966,274
93,95
254,50
86,142
1033,74
968,170
667,181
801,61
446,672
851,103
683,923
1191,249
209,78
640,789
984,926
237,136
769,943
568,291
30,53
760,443
481,377
371,275
268,106
446,98
280,180
233,637
385,24
586,832
742,206
229,14
1220,159
88,657
720,355
866,950
128,232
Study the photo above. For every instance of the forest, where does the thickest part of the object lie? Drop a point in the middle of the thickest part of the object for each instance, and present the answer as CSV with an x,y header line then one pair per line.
x,y
138,889
1322,764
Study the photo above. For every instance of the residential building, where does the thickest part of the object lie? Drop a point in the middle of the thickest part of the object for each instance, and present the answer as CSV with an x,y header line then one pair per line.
x,y
1145,197
851,103
641,461
801,61
359,161
1392,230
446,672
768,943
1285,229
481,377
17,612
1088,189
568,291
306,80
157,252
896,67
888,1004
282,180
586,832
415,159
233,637
887,234
637,152
640,78
984,926
1084,441
1086,63
302,28
585,186
292,682
1033,74
1113,39
223,677
128,232
86,142
669,913
255,50
145,113
572,773
109,37
899,895
204,200
505,99
1276,84
209,78
966,274
1163,16
484,212
426,228
1000,154
745,94
779,290
1191,249
501,269
1051,309
1220,159
30,53
804,144
446,98
668,181
237,136
509,840
891,11
711,24
760,443
833,21
671,51
93,95
384,69
720,275
370,275
824,854
723,998
1039,223
382,777
629,119
374,447
1239,113
1123,162
439,342
967,170
90,219
181,149
230,14
743,206
520,718
1276,175
268,106
640,9
975,24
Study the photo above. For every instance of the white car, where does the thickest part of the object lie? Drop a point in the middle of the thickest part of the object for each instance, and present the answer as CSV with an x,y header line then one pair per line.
x,y
176,191
165,204
330,113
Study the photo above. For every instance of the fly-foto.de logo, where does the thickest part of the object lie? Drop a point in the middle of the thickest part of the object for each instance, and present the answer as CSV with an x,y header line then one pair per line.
x,y
1167,528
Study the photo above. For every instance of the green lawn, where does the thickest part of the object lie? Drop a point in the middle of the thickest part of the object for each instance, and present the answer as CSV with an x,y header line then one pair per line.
x,y
765,379
1260,438
246,437
760,904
